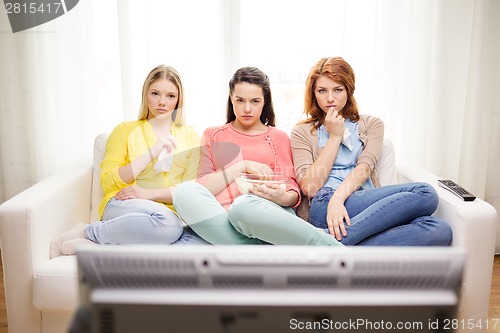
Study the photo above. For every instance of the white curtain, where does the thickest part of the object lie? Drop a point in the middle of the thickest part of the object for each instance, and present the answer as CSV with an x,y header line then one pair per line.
x,y
430,69
57,91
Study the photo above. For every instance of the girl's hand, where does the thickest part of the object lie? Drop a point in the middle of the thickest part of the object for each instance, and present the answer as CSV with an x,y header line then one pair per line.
x,y
167,142
272,192
337,217
258,168
334,123
132,192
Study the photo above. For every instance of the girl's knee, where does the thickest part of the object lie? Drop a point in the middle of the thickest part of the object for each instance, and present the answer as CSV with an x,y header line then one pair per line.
x,y
185,190
240,207
186,194
167,226
242,211
168,230
446,234
169,235
427,189
440,233
430,194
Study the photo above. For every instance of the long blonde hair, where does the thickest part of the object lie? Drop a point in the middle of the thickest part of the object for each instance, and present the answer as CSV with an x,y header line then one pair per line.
x,y
168,73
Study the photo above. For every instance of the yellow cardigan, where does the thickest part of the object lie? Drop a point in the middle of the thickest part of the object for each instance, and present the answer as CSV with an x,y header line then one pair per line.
x,y
132,139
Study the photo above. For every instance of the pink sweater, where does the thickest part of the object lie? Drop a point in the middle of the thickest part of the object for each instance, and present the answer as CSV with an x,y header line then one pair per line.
x,y
224,146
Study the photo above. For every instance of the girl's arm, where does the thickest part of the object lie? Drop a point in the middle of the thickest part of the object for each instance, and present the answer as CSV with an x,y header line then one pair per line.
x,y
191,154
354,180
374,132
288,196
130,171
220,163
317,174
276,194
116,156
337,213
135,192
118,173
218,181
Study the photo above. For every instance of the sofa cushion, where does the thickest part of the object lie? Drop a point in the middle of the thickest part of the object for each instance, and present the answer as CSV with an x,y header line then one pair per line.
x,y
386,165
55,284
97,194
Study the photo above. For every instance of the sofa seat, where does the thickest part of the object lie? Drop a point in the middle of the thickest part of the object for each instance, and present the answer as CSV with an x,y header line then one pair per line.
x,y
55,284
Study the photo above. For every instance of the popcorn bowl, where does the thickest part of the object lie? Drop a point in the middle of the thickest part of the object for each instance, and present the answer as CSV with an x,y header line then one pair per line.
x,y
246,181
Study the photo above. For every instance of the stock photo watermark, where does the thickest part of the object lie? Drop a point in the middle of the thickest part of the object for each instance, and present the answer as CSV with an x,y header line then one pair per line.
x,y
24,15
366,325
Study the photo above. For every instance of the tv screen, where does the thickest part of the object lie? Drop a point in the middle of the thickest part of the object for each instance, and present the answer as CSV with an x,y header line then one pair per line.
x,y
267,289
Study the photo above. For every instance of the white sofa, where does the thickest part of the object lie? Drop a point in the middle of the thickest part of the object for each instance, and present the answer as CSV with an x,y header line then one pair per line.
x,y
41,294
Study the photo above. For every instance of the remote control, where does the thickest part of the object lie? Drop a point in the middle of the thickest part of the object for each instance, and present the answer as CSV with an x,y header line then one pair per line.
x,y
456,189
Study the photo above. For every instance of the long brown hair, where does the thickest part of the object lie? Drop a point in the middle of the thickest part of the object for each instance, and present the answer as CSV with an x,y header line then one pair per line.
x,y
338,70
255,76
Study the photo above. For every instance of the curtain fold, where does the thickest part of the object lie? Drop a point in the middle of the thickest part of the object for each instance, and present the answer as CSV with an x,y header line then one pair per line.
x,y
52,80
481,86
133,44
485,101
20,96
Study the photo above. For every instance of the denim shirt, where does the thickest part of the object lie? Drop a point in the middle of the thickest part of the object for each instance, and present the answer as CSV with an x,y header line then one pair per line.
x,y
347,155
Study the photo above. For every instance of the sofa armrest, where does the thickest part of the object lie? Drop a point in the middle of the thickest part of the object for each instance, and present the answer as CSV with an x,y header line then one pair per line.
x,y
474,229
465,218
35,216
28,223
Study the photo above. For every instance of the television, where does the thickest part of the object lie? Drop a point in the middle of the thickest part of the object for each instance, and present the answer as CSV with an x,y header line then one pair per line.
x,y
245,288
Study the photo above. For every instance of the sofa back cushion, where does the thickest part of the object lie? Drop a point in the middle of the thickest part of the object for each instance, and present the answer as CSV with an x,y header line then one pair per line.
x,y
386,165
97,194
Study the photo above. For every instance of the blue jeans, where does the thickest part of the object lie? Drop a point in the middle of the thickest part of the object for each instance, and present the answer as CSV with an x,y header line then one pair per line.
x,y
138,221
398,215
249,220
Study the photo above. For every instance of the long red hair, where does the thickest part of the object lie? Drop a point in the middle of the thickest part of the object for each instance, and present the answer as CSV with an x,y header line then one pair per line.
x,y
338,70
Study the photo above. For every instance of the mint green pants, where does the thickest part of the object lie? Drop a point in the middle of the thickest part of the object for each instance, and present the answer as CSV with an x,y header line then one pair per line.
x,y
249,220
